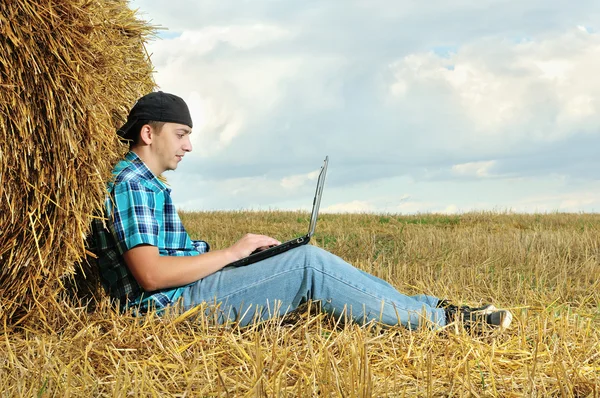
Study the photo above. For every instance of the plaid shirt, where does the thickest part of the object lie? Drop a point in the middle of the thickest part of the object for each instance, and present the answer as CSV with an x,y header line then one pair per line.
x,y
138,210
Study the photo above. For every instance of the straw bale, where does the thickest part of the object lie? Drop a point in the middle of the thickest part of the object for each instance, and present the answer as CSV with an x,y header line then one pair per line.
x,y
69,70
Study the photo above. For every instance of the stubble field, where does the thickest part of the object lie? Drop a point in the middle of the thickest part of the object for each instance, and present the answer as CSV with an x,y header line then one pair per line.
x,y
545,268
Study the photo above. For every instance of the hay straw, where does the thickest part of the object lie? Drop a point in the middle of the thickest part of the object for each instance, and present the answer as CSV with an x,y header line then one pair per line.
x,y
68,70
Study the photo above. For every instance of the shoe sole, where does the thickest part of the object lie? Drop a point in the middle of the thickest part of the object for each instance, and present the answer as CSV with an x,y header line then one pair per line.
x,y
503,318
504,321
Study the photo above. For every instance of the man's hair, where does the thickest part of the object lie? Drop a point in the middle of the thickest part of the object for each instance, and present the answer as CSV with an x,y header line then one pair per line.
x,y
134,139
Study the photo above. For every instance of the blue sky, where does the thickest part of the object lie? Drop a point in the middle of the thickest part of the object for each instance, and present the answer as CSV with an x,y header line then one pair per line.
x,y
477,105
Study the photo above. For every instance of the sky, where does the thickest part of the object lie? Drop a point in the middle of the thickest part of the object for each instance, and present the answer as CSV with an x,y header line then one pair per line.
x,y
451,107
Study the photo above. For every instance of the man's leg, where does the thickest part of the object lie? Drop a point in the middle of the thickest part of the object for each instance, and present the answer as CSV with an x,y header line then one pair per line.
x,y
280,284
429,300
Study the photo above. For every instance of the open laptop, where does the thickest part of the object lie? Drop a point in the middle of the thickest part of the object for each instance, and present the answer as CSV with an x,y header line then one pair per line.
x,y
296,242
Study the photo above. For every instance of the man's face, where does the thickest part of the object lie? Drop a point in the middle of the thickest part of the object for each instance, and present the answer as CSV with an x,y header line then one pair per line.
x,y
170,144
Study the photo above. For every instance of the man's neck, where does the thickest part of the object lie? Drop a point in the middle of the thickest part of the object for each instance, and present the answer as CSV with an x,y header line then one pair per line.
x,y
145,156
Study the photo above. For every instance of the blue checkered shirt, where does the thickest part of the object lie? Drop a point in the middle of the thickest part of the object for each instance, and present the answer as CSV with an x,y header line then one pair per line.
x,y
138,211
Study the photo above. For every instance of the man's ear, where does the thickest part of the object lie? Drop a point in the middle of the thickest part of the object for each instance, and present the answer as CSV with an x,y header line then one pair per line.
x,y
146,134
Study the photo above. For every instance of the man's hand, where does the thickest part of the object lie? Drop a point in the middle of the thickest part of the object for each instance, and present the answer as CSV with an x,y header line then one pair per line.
x,y
249,243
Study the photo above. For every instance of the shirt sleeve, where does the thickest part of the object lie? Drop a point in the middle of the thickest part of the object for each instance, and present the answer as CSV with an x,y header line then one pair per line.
x,y
201,246
134,216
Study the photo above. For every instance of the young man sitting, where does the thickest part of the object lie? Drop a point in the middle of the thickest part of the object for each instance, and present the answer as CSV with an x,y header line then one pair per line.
x,y
148,261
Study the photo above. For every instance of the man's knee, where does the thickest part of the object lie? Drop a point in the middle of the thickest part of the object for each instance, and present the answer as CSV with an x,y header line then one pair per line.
x,y
306,257
312,252
316,257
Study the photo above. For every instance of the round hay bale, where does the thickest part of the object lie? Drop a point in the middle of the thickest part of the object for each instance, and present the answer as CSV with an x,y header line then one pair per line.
x,y
69,72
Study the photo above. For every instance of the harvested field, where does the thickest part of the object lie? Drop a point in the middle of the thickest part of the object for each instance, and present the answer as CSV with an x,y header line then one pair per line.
x,y
544,267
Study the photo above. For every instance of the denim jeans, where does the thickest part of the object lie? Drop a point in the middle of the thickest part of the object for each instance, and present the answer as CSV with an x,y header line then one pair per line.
x,y
281,283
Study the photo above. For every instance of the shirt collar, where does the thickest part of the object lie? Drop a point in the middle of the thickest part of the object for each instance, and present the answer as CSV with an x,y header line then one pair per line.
x,y
139,165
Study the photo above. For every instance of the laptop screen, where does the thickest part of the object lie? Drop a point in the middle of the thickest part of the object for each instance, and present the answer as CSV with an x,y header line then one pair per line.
x,y
317,199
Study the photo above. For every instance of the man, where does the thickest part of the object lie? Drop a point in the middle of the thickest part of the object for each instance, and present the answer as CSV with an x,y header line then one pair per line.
x,y
148,261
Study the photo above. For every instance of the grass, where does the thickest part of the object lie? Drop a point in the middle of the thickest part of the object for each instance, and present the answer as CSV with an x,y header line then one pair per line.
x,y
545,268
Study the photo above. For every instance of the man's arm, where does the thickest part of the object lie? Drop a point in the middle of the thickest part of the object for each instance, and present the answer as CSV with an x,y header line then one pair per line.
x,y
153,271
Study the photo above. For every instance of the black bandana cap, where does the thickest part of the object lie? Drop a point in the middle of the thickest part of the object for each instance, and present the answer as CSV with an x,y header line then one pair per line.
x,y
159,107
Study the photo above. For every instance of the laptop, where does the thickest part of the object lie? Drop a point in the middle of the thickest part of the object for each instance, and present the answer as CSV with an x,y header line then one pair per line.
x,y
296,242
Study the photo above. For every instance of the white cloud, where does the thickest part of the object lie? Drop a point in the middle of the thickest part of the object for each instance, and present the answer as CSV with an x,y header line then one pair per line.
x,y
225,98
236,90
200,42
542,90
296,181
567,202
412,207
475,169
451,209
573,203
244,37
215,124
355,206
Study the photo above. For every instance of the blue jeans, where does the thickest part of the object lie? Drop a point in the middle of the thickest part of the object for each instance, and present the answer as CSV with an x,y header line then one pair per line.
x,y
281,283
